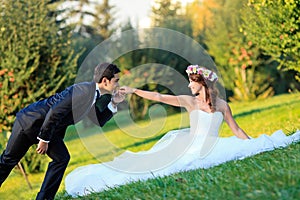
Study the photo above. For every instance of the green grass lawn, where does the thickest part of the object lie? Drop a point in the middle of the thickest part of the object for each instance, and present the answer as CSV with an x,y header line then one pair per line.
x,y
270,175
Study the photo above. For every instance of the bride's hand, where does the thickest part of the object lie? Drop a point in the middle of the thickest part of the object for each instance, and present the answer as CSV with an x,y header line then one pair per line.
x,y
127,90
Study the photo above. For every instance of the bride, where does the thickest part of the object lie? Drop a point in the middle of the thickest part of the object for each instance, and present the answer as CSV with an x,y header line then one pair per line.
x,y
196,147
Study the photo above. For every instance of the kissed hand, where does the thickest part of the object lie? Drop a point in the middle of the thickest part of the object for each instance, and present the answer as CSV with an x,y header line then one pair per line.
x,y
127,90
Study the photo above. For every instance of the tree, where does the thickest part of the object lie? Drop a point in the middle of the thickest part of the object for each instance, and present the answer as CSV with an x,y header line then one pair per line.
x,y
170,14
78,11
86,17
201,14
90,23
36,58
166,14
275,28
104,19
164,11
138,77
237,58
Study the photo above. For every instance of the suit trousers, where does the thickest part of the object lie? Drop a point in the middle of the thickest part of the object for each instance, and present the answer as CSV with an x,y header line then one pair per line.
x,y
60,156
17,146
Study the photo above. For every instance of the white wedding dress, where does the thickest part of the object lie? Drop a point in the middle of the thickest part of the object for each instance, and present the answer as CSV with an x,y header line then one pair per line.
x,y
179,150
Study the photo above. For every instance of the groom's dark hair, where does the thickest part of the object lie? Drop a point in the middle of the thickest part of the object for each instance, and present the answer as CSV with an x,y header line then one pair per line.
x,y
107,70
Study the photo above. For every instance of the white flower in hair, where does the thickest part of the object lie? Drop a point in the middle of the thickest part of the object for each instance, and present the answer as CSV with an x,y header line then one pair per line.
x,y
206,73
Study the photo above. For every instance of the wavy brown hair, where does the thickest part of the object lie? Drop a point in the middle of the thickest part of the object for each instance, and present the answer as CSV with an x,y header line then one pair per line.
x,y
211,92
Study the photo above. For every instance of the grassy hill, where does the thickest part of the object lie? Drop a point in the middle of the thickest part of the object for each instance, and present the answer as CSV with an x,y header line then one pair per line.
x,y
270,175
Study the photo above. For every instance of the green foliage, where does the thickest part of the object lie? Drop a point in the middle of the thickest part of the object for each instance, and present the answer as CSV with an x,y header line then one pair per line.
x,y
89,27
87,23
166,14
274,28
147,78
250,81
249,85
35,57
139,70
104,19
235,55
169,14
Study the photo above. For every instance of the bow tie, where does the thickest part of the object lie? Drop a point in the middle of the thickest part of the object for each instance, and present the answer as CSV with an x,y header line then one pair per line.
x,y
98,94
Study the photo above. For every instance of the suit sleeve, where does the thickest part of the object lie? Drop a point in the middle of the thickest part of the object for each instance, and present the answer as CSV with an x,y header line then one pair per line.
x,y
57,112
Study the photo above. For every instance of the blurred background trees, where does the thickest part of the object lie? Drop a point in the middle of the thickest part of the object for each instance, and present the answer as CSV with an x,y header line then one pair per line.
x,y
36,58
254,44
274,29
235,55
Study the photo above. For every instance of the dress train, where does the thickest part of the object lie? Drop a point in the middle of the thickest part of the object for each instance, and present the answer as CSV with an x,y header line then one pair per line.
x,y
180,150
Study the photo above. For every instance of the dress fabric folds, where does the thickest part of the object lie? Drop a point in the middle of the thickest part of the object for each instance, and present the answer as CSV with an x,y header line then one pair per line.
x,y
179,150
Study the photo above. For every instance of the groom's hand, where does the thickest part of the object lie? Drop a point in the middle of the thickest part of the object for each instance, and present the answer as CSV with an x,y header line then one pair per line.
x,y
42,147
118,97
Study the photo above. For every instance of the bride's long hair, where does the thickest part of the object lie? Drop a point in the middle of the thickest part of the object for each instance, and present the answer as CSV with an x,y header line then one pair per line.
x,y
211,92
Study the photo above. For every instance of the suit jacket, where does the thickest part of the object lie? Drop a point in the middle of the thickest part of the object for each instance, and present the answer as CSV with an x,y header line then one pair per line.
x,y
53,115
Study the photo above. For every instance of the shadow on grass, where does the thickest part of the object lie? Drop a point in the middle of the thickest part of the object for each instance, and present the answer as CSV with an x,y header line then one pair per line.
x,y
92,129
124,148
136,144
258,110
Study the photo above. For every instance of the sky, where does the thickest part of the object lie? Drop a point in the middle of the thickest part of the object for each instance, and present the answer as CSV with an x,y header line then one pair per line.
x,y
138,11
135,10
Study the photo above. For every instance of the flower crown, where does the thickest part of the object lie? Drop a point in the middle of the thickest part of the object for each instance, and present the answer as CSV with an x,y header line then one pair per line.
x,y
206,73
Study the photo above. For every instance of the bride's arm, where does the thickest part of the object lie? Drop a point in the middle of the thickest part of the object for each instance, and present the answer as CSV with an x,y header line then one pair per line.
x,y
180,100
232,123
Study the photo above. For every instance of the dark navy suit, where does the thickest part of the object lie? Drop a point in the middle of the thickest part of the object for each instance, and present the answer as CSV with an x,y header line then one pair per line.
x,y
48,119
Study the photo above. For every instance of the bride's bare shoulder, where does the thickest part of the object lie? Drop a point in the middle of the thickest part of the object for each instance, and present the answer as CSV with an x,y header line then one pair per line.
x,y
187,101
221,105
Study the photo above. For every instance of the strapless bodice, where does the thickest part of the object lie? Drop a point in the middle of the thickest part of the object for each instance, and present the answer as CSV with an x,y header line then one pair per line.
x,y
205,123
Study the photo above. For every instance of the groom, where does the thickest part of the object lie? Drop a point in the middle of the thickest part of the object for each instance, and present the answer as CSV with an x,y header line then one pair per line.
x,y
45,122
